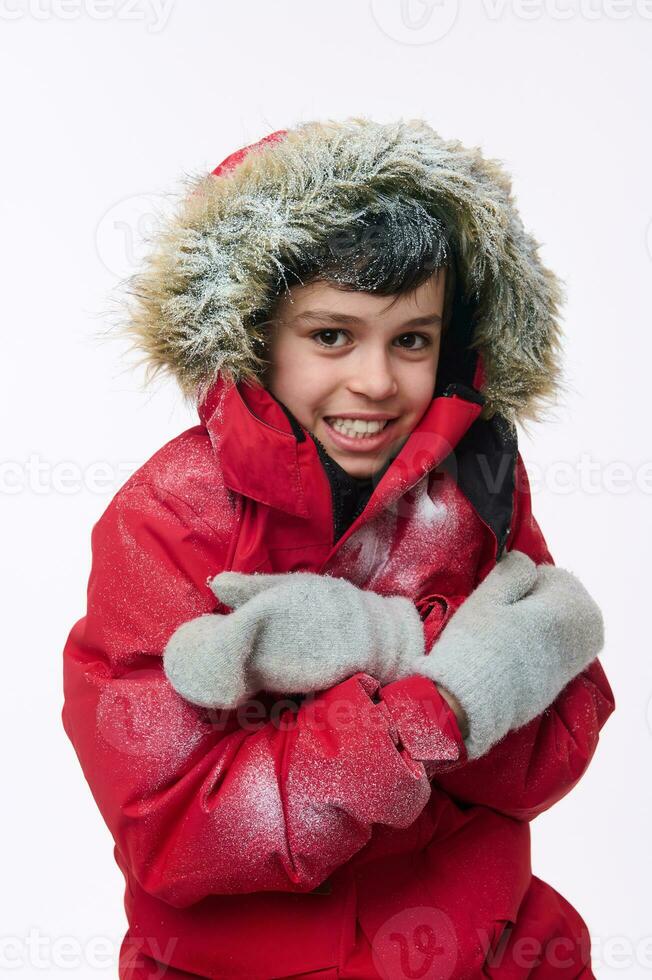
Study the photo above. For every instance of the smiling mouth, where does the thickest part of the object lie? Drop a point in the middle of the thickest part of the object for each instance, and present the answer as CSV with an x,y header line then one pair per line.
x,y
359,434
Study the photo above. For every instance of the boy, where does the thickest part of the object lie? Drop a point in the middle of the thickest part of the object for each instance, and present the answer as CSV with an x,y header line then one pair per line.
x,y
394,580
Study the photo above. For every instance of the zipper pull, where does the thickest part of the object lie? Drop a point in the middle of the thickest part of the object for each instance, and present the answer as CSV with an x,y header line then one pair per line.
x,y
458,390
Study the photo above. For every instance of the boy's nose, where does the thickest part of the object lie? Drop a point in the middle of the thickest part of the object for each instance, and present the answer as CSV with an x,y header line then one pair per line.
x,y
374,378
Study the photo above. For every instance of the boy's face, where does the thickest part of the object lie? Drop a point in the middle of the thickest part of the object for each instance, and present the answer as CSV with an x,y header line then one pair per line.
x,y
336,353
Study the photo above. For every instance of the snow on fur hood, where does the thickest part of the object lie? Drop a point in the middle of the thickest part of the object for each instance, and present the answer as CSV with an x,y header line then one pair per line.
x,y
215,263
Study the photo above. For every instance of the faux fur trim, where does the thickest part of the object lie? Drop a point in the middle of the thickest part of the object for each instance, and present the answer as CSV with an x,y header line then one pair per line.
x,y
210,273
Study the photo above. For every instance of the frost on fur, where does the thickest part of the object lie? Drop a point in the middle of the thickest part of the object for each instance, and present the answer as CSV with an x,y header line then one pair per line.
x,y
198,306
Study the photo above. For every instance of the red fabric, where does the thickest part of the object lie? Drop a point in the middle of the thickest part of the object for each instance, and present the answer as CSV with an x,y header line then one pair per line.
x,y
534,766
232,161
346,834
549,942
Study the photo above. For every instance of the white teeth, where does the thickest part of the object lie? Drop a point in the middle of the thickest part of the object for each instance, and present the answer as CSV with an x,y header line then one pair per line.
x,y
358,428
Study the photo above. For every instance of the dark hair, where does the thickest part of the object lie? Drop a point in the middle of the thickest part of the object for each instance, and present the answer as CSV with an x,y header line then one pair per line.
x,y
389,248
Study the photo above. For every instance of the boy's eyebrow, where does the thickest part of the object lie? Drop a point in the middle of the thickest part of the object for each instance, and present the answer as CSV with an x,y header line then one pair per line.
x,y
328,316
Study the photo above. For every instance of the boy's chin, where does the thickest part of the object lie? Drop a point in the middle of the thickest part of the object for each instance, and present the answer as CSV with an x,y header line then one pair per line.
x,y
361,468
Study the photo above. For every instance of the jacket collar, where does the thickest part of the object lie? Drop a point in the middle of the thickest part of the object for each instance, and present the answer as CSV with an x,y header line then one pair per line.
x,y
255,443
262,457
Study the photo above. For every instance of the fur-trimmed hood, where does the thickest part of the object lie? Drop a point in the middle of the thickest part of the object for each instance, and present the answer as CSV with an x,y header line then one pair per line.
x,y
212,271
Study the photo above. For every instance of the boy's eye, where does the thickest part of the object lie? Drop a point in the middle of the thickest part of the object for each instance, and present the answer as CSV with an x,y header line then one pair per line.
x,y
334,333
416,336
326,333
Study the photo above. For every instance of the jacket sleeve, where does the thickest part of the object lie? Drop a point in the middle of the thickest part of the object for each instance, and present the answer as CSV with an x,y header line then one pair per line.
x,y
251,800
534,766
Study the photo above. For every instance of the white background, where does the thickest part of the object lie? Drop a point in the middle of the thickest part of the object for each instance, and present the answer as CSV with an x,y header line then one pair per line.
x,y
105,108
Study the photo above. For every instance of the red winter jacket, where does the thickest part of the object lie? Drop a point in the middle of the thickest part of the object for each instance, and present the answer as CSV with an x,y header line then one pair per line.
x,y
347,835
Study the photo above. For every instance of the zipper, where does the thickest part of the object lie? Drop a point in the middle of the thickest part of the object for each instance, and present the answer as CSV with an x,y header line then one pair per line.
x,y
499,544
330,469
455,389
458,390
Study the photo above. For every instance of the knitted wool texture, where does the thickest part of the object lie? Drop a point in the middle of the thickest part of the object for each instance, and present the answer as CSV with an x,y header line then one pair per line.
x,y
506,653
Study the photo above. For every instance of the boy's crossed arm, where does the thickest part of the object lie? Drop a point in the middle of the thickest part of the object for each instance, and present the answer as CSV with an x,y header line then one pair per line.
x,y
185,800
504,656
200,806
530,767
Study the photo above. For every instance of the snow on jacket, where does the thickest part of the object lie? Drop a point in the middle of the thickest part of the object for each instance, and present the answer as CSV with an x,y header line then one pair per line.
x,y
275,844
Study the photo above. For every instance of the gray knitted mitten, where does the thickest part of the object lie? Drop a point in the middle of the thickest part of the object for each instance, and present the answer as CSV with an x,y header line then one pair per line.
x,y
524,633
293,632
